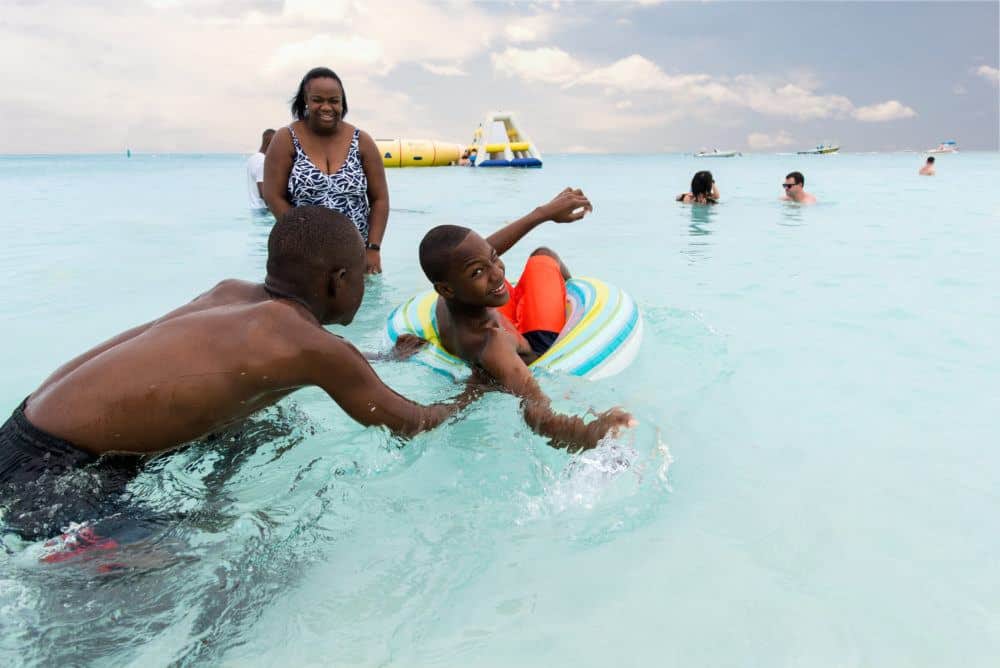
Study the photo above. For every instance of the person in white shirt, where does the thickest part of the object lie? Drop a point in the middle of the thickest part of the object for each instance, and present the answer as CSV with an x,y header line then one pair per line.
x,y
255,173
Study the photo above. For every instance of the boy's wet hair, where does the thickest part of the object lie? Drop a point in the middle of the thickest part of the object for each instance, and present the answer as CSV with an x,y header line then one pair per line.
x,y
311,240
299,101
930,159
797,178
436,249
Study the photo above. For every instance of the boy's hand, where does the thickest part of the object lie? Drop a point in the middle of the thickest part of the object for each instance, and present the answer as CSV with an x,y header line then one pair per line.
x,y
407,345
568,206
608,421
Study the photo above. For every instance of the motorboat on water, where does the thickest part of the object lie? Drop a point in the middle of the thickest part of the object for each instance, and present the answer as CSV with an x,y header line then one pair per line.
x,y
822,149
716,153
945,147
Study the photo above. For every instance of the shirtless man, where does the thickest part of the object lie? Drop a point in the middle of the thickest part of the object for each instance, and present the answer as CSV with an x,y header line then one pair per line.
x,y
232,351
928,169
794,189
499,329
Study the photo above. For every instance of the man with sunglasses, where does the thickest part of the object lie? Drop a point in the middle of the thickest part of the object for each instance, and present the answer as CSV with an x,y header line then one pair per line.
x,y
794,189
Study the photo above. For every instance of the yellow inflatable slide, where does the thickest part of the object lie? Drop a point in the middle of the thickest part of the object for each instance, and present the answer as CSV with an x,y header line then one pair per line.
x,y
418,152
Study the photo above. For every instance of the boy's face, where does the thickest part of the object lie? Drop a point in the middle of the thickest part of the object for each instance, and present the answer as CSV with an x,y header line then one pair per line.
x,y
476,274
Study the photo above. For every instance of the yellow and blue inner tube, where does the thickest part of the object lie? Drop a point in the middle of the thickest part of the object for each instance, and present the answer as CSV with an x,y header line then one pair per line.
x,y
601,337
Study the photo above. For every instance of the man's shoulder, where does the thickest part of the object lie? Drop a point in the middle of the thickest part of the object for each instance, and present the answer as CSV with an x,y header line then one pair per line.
x,y
256,159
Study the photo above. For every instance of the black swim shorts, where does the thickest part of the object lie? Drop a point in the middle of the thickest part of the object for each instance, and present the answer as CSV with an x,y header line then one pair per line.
x,y
46,482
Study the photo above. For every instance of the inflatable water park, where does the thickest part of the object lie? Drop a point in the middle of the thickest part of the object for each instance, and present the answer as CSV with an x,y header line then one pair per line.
x,y
499,141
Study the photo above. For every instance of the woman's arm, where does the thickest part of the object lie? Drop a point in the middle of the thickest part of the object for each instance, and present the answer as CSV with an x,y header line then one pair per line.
x,y
277,168
378,199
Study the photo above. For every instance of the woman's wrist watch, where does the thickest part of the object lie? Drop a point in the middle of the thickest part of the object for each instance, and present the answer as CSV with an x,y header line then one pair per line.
x,y
374,247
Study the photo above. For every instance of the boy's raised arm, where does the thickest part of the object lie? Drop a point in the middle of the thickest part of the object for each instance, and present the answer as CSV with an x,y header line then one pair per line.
x,y
563,431
568,206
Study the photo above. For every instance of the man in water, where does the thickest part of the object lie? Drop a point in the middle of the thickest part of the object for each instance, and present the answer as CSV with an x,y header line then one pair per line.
x,y
928,169
255,174
794,189
499,329
234,350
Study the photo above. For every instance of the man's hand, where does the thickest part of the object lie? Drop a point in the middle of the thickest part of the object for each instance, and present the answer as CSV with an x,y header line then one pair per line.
x,y
568,206
407,345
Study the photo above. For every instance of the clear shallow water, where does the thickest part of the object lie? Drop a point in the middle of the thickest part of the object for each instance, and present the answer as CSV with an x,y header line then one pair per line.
x,y
825,381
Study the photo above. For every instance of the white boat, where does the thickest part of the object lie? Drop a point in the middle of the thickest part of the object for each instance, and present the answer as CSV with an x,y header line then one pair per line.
x,y
945,147
716,153
822,149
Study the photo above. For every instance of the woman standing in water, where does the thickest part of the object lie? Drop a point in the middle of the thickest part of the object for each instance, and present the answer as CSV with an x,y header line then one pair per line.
x,y
323,161
703,190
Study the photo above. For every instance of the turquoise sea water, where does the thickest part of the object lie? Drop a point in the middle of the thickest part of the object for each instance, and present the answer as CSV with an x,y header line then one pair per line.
x,y
812,482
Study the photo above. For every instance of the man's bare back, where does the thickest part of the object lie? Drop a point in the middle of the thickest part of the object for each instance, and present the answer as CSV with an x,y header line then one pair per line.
x,y
227,354
232,351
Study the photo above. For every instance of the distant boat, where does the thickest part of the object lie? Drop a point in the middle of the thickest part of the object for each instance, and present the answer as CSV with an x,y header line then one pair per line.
x,y
945,147
822,149
716,153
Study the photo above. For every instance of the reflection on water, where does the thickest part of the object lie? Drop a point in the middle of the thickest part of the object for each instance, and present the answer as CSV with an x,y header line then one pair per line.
x,y
791,214
260,224
699,229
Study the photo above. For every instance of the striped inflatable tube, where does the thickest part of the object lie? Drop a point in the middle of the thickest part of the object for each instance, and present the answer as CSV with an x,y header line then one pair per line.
x,y
601,337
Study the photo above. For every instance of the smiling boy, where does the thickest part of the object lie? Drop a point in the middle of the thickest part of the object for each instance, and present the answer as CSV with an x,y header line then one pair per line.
x,y
499,329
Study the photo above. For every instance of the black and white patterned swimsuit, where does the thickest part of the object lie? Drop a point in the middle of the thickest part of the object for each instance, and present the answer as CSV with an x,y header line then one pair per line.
x,y
346,190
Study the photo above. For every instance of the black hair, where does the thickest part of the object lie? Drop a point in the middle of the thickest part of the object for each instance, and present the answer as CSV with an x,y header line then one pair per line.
x,y
299,101
436,248
797,177
930,159
311,240
701,184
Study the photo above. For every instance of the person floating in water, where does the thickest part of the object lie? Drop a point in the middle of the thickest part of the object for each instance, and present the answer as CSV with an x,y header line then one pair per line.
x,y
703,190
255,174
928,169
794,192
234,350
499,329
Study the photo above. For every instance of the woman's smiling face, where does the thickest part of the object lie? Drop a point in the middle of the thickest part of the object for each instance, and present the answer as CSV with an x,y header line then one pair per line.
x,y
324,104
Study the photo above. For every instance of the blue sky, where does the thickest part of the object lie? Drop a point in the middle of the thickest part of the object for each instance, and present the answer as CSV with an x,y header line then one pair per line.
x,y
180,75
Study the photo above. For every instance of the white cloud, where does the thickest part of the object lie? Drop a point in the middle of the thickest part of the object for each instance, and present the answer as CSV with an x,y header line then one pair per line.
x,y
582,148
760,141
547,65
886,111
444,70
638,74
348,53
989,73
624,104
535,28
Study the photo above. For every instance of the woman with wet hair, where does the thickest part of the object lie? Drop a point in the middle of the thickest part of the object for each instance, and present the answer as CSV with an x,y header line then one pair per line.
x,y
320,160
703,190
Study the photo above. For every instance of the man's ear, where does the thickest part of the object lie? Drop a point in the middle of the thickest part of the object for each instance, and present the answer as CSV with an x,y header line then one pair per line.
x,y
337,278
444,289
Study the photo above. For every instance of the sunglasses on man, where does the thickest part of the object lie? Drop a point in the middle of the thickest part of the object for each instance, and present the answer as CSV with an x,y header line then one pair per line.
x,y
786,186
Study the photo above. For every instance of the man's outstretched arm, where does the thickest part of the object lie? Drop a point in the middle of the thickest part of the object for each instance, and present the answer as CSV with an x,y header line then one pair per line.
x,y
568,206
349,379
